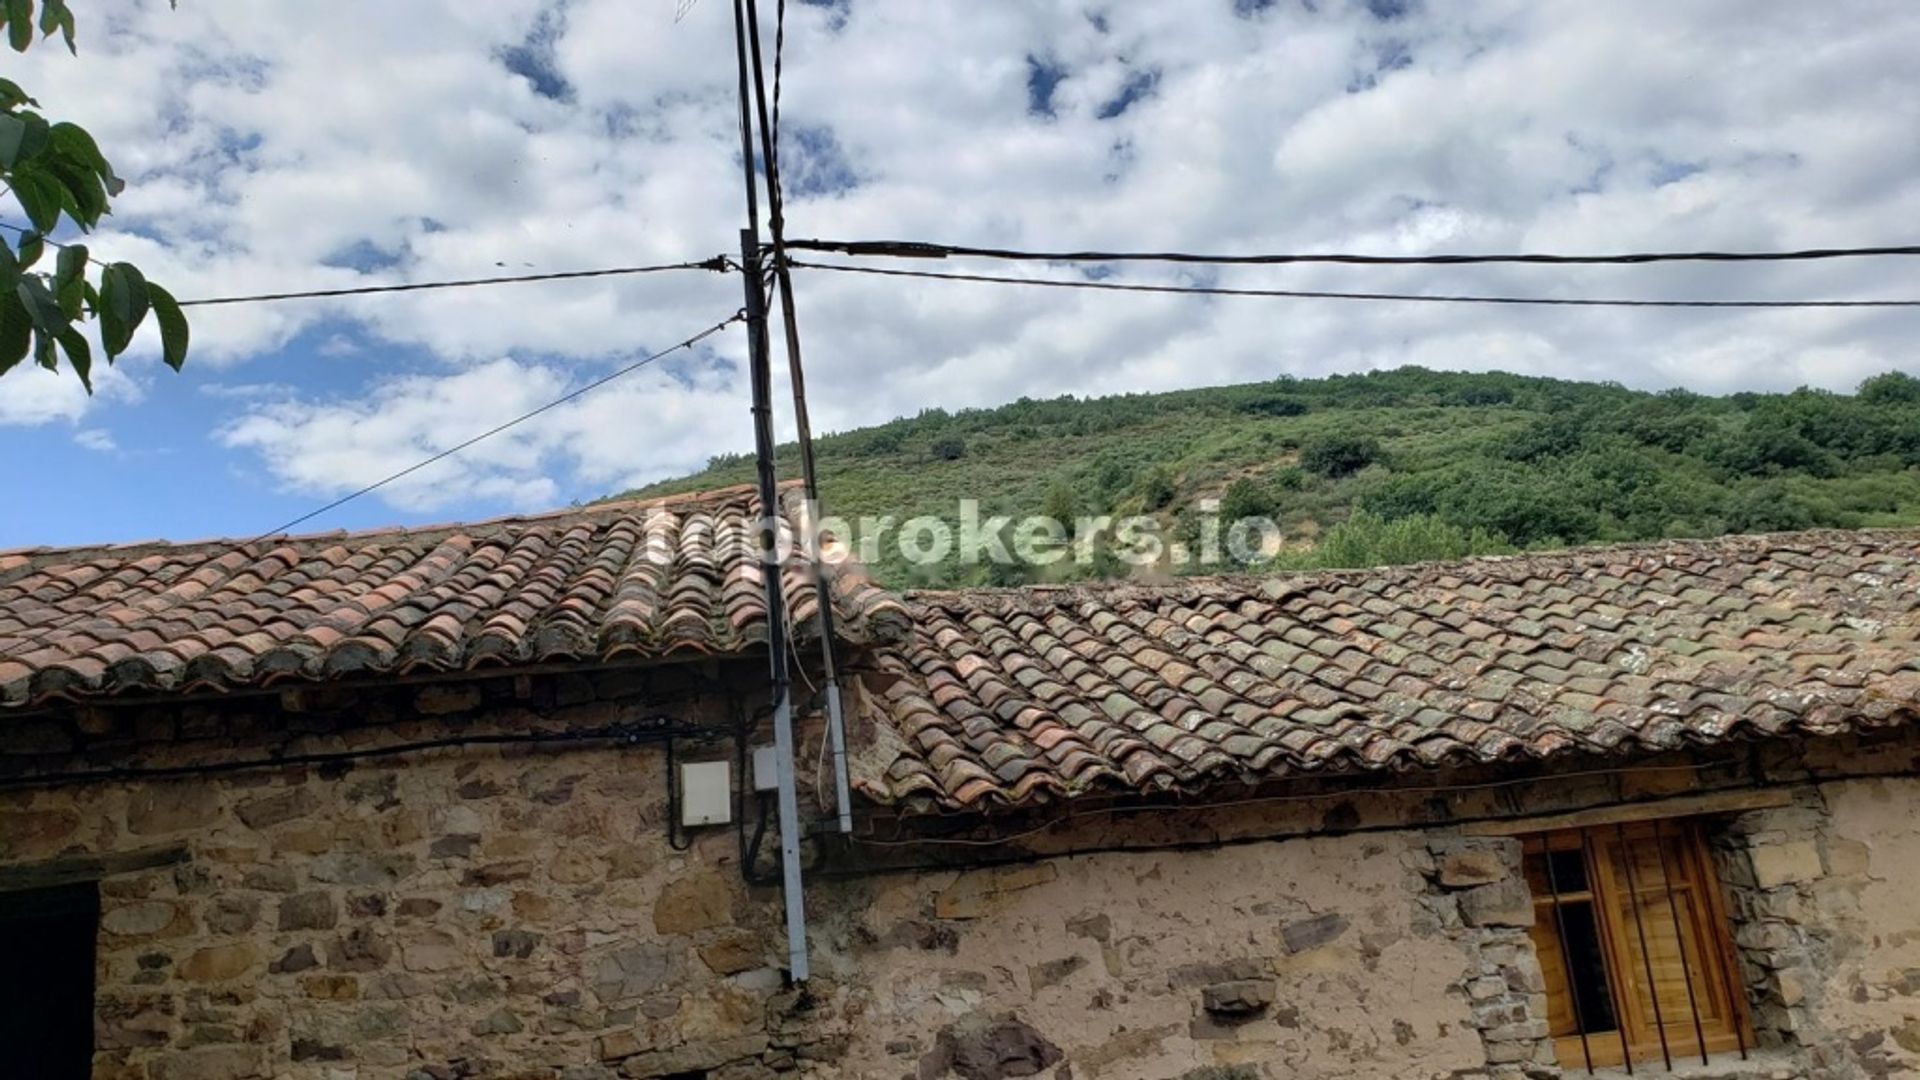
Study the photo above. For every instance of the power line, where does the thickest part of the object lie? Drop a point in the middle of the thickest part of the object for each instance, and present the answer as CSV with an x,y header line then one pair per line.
x,y
717,264
1318,294
915,249
491,432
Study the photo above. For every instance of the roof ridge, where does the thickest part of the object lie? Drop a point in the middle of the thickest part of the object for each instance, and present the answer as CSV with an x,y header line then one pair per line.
x,y
611,508
1257,582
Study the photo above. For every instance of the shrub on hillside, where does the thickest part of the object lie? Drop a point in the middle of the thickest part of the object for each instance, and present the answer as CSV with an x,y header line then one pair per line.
x,y
948,448
1367,539
1339,455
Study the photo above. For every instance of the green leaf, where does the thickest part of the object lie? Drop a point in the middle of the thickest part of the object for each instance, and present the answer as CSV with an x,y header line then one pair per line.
x,y
16,332
55,15
32,244
9,271
12,97
73,140
22,137
79,354
20,24
86,198
41,306
123,303
71,263
41,196
44,353
173,326
69,280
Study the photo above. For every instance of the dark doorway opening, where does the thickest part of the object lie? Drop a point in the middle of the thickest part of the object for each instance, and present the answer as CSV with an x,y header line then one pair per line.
x,y
46,986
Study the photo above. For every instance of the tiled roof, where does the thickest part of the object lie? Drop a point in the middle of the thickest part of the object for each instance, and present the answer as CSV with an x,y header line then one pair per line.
x,y
646,579
1014,696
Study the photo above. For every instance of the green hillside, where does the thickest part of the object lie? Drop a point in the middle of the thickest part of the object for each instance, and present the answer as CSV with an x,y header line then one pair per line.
x,y
1379,468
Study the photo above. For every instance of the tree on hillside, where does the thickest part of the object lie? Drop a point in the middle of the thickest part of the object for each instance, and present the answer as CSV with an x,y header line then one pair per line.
x,y
55,171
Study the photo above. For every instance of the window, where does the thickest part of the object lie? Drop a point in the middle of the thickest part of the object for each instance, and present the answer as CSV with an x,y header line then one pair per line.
x,y
1631,931
46,986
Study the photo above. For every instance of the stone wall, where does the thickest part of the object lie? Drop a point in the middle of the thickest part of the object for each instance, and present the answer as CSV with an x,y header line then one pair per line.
x,y
1824,901
523,912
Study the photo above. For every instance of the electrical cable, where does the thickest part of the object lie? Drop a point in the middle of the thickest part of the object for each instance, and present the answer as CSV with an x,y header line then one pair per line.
x,y
718,264
1320,294
1140,808
631,734
497,429
779,53
914,249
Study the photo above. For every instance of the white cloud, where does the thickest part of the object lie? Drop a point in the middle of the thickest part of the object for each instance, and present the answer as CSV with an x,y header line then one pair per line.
x,y
648,425
33,395
98,440
266,140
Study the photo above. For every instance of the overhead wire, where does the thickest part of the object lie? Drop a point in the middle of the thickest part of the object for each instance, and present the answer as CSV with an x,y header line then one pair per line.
x,y
1324,294
916,249
686,343
716,264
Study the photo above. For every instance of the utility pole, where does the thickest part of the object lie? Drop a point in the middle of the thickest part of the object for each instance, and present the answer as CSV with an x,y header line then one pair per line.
x,y
771,564
803,430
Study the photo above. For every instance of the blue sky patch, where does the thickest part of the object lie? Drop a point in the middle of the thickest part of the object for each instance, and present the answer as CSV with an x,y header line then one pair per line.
x,y
812,162
534,58
1043,75
1139,84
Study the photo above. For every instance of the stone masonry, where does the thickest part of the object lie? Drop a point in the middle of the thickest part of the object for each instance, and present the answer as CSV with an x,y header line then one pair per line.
x,y
511,913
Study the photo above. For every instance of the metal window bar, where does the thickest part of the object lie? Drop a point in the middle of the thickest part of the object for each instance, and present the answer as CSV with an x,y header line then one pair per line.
x,y
1566,956
1735,988
1646,954
1619,1014
1680,944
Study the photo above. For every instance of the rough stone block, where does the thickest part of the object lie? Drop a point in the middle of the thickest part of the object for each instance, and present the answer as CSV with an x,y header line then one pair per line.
x,y
1240,998
170,808
1309,934
1468,867
218,963
309,911
1775,865
212,1063
1507,903
631,972
699,901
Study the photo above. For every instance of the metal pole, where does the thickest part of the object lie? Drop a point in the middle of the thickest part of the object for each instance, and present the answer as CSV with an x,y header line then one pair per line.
x,y
771,565
829,661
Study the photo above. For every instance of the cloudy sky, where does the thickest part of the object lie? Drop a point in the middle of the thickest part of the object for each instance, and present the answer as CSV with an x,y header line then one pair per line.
x,y
285,146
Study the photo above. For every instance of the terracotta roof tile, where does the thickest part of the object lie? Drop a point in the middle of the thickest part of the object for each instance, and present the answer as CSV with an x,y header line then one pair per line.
x,y
646,578
1004,696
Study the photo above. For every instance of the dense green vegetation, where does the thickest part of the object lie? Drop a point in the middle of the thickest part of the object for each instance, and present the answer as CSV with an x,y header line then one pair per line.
x,y
1385,467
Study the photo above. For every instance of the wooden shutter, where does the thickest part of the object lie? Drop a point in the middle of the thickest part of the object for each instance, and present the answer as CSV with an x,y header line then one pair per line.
x,y
1649,894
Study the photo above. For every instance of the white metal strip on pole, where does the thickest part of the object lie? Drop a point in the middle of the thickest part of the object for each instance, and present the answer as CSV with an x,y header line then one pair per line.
x,y
790,840
837,730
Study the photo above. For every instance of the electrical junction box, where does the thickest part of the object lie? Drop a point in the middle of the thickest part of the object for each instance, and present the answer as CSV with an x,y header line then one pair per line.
x,y
766,769
706,793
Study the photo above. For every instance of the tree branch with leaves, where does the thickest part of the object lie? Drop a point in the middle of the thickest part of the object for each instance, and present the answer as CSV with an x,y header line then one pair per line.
x,y
55,171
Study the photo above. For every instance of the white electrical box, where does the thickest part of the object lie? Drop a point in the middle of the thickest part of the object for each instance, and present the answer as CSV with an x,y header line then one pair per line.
x,y
706,793
766,769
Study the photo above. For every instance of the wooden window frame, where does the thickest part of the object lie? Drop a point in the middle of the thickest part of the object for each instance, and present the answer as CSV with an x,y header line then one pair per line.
x,y
1681,909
